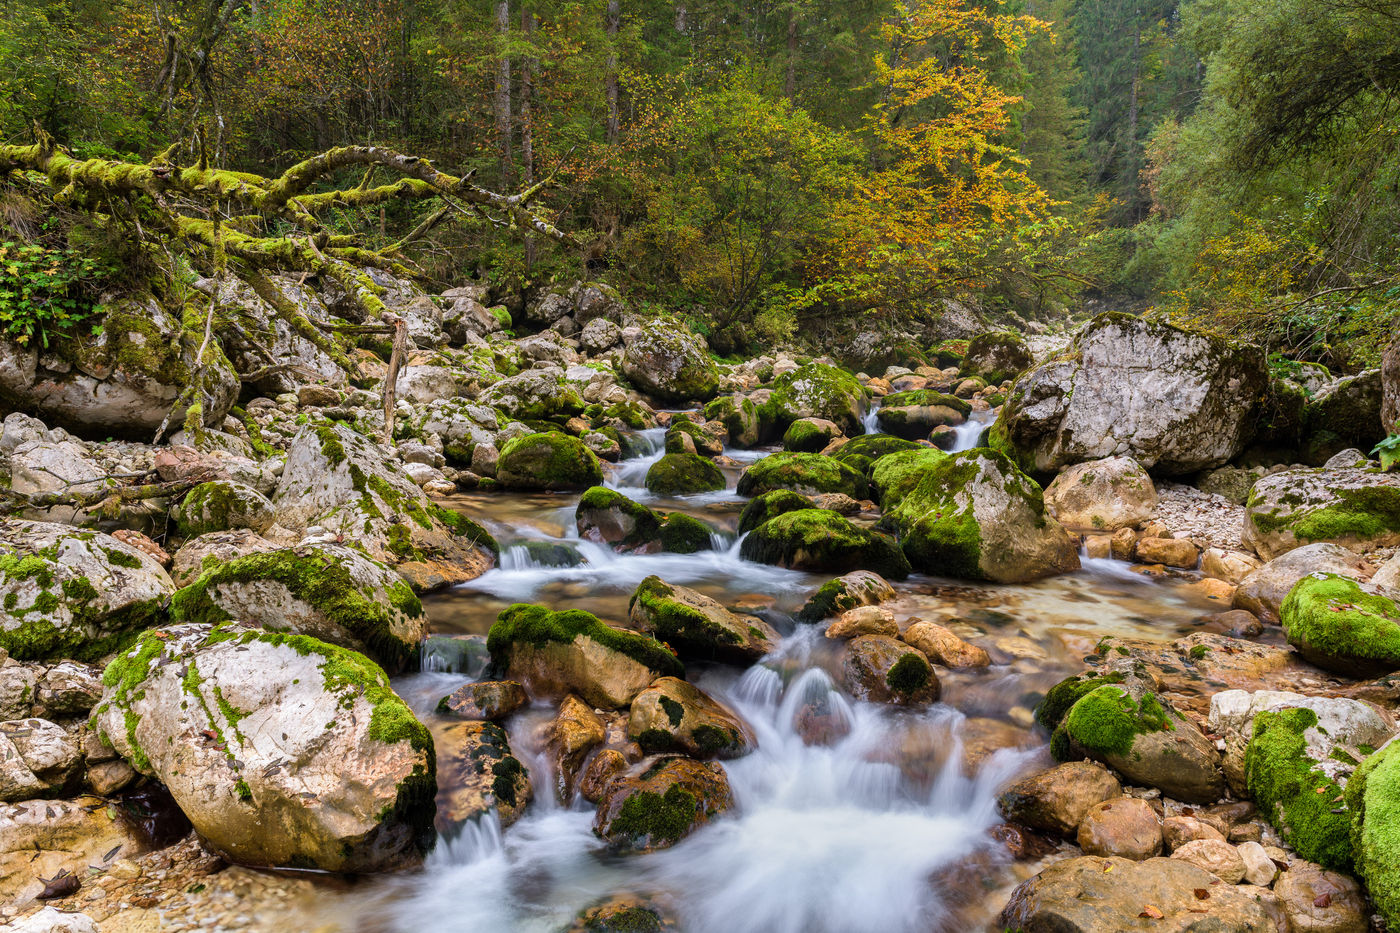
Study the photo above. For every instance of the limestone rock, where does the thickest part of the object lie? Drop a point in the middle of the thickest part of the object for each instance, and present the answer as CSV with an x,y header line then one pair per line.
x,y
674,716
1102,495
1126,827
1215,856
657,802
883,670
696,626
1057,800
1353,508
943,647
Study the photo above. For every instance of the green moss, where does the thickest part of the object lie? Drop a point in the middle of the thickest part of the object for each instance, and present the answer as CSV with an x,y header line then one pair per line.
x,y
683,627
804,436
1337,625
630,919
645,524
1296,797
1107,720
802,472
864,449
1373,800
763,507
899,472
909,674
926,397
740,417
527,624
78,588
675,712
679,474
821,540
120,558
1059,698
219,505
682,534
319,580
814,390
647,818
464,527
548,461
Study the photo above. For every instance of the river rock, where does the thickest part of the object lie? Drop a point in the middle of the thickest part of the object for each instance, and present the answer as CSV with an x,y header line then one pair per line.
x,y
1176,401
327,591
665,360
864,620
283,751
822,541
1259,869
674,716
571,651
810,435
975,516
1102,495
658,802
1342,725
343,483
1263,591
73,593
1136,734
1126,827
124,380
464,426
740,417
221,505
1373,799
1321,901
1179,830
608,517
943,647
1112,895
1342,625
484,699
575,731
199,554
808,474
599,336
1353,508
1230,566
1056,800
548,461
884,670
858,588
770,505
534,395
37,759
814,390
477,773
1169,552
996,356
914,415
696,626
1215,856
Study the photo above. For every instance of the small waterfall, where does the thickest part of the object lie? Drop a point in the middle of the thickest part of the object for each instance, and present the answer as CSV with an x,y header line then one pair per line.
x,y
965,435
632,472
871,420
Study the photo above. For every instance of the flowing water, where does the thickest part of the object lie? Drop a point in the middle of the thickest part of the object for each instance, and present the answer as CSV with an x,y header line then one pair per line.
x,y
884,829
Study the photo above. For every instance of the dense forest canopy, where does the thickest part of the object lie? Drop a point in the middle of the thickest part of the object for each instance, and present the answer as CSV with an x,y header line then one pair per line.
x,y
764,168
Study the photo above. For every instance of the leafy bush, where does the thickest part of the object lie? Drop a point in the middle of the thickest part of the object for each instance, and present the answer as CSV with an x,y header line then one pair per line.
x,y
45,292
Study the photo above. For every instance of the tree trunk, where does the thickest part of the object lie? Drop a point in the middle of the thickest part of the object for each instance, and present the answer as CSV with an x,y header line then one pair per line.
x,y
503,128
391,378
527,129
614,15
790,78
1134,163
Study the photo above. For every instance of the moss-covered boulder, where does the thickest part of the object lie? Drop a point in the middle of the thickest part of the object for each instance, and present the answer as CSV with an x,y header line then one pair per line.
x,y
344,483
1341,626
863,450
914,414
535,395
825,542
740,417
550,461
1174,400
608,517
975,516
1359,509
844,593
327,591
1293,792
623,915
70,593
809,435
815,390
769,504
685,435
659,801
222,505
886,670
670,363
804,473
673,716
477,773
1060,699
121,379
1262,591
1141,737
898,472
681,474
573,652
685,534
1373,800
996,357
283,751
696,626
492,700
1347,413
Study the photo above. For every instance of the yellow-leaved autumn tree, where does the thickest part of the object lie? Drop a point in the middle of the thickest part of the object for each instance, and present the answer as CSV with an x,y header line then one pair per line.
x,y
947,202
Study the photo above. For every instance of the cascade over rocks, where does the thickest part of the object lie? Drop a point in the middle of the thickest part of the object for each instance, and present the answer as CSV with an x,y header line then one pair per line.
x,y
974,515
282,750
343,483
1174,400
